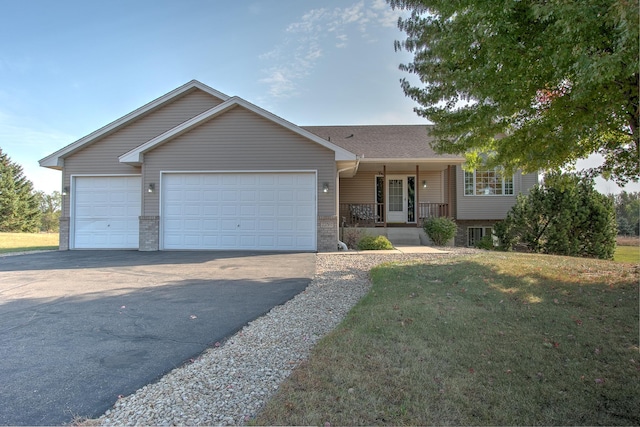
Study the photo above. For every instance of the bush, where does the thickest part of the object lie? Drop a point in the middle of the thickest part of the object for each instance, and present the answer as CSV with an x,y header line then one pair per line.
x,y
485,243
372,243
440,230
351,236
566,216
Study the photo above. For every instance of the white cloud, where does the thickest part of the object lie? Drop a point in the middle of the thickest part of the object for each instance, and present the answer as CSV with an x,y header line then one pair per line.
x,y
389,18
342,40
385,15
309,23
353,14
280,81
602,185
305,41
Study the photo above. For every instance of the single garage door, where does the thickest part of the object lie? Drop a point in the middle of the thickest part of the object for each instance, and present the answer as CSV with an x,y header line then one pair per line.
x,y
106,212
239,211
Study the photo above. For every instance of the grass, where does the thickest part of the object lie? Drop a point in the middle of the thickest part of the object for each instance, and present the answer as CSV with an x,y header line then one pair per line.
x,y
627,249
21,242
627,254
488,339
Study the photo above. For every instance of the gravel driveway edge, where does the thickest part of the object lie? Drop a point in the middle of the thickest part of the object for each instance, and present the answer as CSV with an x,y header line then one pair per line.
x,y
229,384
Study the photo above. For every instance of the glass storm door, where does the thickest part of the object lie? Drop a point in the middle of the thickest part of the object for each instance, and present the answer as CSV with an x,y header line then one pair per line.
x,y
396,199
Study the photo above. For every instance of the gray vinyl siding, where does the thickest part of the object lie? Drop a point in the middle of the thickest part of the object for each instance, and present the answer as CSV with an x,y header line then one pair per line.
x,y
436,191
489,207
528,182
101,157
359,189
240,140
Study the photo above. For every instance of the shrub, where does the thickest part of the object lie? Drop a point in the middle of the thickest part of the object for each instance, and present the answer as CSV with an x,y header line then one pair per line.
x,y
351,236
372,243
566,216
485,243
440,230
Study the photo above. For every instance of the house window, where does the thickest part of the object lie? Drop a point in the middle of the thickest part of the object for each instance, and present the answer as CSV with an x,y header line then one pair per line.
x,y
489,182
475,234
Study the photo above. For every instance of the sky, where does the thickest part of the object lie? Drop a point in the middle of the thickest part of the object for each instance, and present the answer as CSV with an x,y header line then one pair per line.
x,y
69,67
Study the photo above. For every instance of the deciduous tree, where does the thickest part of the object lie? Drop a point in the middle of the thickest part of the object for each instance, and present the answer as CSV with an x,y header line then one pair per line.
x,y
627,212
528,84
50,205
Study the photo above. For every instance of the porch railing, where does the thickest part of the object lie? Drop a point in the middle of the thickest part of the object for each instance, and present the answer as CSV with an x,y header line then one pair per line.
x,y
372,214
431,210
362,214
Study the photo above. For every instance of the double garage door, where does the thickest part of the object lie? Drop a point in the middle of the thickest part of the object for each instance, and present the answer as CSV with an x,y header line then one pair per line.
x,y
235,211
255,211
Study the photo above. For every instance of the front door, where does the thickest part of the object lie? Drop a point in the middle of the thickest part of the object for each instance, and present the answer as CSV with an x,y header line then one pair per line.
x,y
396,199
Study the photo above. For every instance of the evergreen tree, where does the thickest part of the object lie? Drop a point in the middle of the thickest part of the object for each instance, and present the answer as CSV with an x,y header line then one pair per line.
x,y
565,216
19,207
628,212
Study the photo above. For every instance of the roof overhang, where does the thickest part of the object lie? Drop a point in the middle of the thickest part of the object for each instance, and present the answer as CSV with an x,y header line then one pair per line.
x,y
408,164
56,160
135,157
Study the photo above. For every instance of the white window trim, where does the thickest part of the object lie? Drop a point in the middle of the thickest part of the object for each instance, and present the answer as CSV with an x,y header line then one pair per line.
x,y
464,182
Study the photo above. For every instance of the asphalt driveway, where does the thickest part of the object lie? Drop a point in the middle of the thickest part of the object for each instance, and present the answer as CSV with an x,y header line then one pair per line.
x,y
79,328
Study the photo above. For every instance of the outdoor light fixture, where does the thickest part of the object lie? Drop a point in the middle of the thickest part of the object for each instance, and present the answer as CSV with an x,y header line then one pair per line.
x,y
152,187
424,184
325,187
65,191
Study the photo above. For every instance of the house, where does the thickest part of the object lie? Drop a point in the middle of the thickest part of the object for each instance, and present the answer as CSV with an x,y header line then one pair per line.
x,y
197,169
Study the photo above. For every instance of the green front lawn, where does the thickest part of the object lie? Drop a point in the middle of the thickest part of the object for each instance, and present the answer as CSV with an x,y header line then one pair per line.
x,y
627,254
20,242
490,339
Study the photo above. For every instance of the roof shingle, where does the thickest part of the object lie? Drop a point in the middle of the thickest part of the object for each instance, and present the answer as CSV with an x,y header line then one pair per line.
x,y
382,141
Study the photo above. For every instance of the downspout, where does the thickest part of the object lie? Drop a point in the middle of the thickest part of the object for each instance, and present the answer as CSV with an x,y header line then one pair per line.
x,y
341,245
355,169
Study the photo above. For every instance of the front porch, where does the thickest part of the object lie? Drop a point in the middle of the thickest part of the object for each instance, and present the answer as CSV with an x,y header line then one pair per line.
x,y
375,214
396,194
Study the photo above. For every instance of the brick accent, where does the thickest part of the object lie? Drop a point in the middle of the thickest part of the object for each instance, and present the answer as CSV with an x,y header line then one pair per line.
x,y
327,233
64,233
149,233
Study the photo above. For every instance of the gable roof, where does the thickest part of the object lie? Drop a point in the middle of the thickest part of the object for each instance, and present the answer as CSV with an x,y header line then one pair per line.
x,y
366,143
384,142
136,156
55,160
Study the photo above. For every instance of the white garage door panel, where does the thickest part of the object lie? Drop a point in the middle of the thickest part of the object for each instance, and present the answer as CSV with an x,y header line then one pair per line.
x,y
106,212
266,211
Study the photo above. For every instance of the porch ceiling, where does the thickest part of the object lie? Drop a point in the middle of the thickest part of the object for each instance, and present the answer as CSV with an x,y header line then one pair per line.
x,y
404,166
